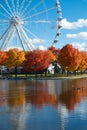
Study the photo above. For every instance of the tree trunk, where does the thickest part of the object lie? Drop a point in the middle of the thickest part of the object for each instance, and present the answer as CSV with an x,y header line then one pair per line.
x,y
15,72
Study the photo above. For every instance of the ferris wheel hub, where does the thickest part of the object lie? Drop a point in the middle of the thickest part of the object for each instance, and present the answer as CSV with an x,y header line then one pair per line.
x,y
16,21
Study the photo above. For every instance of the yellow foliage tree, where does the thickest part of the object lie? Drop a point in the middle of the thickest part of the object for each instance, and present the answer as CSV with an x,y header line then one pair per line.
x,y
15,58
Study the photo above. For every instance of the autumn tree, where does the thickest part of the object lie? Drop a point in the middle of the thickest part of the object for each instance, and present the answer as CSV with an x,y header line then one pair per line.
x,y
51,56
38,60
69,58
83,64
15,58
54,51
3,57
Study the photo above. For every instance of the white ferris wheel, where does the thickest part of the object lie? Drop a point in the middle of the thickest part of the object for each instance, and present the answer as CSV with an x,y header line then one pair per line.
x,y
29,23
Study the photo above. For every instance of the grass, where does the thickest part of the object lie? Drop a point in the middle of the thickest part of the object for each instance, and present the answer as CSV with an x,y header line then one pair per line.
x,y
43,76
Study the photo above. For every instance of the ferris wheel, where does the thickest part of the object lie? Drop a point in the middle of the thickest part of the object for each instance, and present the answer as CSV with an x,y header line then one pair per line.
x,y
28,23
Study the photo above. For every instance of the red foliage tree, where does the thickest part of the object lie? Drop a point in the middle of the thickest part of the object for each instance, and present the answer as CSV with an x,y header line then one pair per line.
x,y
69,58
37,60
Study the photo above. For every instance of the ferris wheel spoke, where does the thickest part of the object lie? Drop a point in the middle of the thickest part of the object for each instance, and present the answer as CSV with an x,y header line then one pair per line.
x,y
21,6
3,25
18,32
9,7
27,40
5,9
17,6
41,21
4,21
30,32
13,6
45,8
5,16
36,18
26,7
41,12
24,39
34,7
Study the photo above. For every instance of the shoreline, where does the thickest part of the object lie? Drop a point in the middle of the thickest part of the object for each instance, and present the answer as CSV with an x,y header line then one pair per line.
x,y
45,78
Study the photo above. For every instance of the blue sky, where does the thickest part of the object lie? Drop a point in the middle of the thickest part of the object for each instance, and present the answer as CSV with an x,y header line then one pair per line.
x,y
74,23
40,31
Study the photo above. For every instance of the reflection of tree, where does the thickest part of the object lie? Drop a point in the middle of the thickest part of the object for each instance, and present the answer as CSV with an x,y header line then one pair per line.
x,y
21,95
16,94
3,97
17,104
39,94
75,93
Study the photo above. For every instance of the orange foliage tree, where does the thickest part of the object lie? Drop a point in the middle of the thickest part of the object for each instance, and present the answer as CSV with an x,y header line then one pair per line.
x,y
51,55
3,56
15,58
38,60
54,51
83,63
69,58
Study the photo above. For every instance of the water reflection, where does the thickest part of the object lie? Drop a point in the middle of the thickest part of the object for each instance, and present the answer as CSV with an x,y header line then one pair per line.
x,y
16,94
41,93
48,104
77,90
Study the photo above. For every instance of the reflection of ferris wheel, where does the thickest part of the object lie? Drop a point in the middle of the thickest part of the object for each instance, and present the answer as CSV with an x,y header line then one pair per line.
x,y
26,22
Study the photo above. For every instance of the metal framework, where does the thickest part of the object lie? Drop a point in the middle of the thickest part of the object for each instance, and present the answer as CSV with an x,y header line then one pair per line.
x,y
16,14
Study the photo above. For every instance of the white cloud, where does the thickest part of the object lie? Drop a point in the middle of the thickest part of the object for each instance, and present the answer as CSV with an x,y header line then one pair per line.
x,y
74,25
80,46
12,47
81,35
42,47
36,40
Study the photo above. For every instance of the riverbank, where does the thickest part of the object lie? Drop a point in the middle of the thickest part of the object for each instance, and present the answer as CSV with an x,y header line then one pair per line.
x,y
62,77
51,77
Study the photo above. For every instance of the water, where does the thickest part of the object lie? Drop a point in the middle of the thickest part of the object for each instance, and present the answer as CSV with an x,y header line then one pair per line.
x,y
43,105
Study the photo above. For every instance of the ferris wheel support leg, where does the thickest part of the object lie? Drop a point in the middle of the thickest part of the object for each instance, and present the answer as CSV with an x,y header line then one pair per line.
x,y
23,39
4,33
10,38
27,40
20,38
5,37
